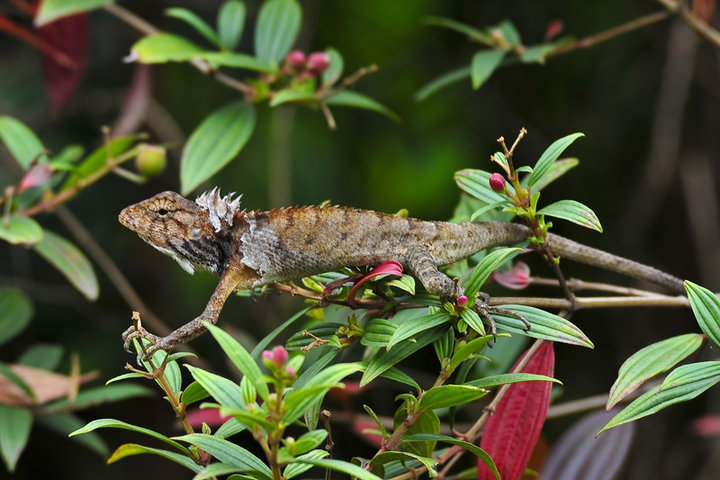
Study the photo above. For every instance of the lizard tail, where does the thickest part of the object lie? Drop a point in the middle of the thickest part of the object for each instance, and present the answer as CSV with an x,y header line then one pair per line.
x,y
589,256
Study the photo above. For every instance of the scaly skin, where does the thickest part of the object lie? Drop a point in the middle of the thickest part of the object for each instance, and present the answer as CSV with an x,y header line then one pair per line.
x,y
250,249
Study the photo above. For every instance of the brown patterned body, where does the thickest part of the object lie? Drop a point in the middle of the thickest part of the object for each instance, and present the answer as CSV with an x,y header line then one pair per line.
x,y
248,249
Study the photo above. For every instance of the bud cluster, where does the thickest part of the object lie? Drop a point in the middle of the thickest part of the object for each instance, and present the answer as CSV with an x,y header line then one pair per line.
x,y
297,63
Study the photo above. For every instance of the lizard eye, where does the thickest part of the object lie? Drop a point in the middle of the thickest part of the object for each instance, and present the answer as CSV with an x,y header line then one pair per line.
x,y
162,212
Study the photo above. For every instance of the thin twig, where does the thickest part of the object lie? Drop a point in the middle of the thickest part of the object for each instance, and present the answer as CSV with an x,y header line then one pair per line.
x,y
696,23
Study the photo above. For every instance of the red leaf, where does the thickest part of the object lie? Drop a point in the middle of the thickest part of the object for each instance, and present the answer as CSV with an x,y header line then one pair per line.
x,y
388,267
211,416
68,36
513,429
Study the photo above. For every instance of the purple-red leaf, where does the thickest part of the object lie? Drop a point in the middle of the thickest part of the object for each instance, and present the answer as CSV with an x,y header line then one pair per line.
x,y
579,453
388,267
67,35
513,429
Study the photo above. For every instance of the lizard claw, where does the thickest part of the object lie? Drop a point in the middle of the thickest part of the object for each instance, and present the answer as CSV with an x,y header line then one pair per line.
x,y
136,331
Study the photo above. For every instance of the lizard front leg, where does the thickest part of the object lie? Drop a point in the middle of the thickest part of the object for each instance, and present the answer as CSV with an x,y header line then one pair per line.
x,y
235,277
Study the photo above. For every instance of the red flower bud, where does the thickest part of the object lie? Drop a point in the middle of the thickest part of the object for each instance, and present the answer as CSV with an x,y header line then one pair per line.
x,y
497,182
462,300
318,62
39,174
296,59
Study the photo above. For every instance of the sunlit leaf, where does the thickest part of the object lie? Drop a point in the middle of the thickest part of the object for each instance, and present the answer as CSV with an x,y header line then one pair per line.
x,y
557,169
549,156
217,140
573,211
340,466
507,378
682,384
51,10
225,391
480,273
112,423
17,229
652,360
543,325
450,396
130,449
334,71
164,47
292,96
483,64
15,313
22,143
228,452
706,307
70,261
277,27
98,159
421,324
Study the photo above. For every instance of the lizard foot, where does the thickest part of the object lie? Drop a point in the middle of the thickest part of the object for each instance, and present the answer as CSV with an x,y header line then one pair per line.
x,y
137,331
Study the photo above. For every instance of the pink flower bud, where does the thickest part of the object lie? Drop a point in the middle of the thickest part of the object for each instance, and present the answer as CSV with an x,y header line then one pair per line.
x,y
39,174
318,62
462,300
497,182
296,59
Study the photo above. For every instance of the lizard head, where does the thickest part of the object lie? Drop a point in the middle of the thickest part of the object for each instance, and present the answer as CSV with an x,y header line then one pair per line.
x,y
194,234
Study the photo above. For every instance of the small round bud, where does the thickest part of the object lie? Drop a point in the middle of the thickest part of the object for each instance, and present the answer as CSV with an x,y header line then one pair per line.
x,y
318,62
277,357
296,59
462,300
497,182
150,159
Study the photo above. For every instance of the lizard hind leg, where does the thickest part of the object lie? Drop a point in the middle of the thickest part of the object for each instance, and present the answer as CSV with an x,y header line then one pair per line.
x,y
422,265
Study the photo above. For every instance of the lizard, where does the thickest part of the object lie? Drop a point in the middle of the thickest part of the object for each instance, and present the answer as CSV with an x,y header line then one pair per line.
x,y
249,249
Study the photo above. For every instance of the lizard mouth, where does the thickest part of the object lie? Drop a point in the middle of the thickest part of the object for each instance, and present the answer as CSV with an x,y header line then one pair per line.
x,y
126,217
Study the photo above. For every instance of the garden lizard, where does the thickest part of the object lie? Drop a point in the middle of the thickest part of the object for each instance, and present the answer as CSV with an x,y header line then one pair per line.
x,y
247,249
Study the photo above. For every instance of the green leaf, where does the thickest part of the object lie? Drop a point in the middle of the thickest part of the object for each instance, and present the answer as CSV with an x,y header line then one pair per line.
x,y
706,308
427,422
296,468
98,159
323,331
309,440
573,211
441,82
17,229
544,325
294,96
45,356
509,33
476,183
385,359
387,457
215,470
444,344
395,374
130,449
557,169
15,313
549,156
230,23
163,48
538,53
652,360
506,378
195,22
70,261
99,395
51,10
339,466
473,320
474,449
112,423
250,418
450,396
241,359
683,384
480,273
217,140
349,98
193,393
277,27
22,143
418,325
482,36
9,373
65,423
464,351
334,71
483,65
300,400
228,452
378,332
226,392
15,426
236,60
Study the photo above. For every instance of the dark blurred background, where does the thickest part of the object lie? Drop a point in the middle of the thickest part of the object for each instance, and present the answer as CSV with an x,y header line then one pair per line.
x,y
647,102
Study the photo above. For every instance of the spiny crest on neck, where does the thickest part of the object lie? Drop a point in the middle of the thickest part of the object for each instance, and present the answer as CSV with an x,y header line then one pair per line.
x,y
219,208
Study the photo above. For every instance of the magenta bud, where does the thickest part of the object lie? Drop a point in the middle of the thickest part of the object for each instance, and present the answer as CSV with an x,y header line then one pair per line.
x,y
318,62
497,182
462,300
39,174
296,59
290,371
